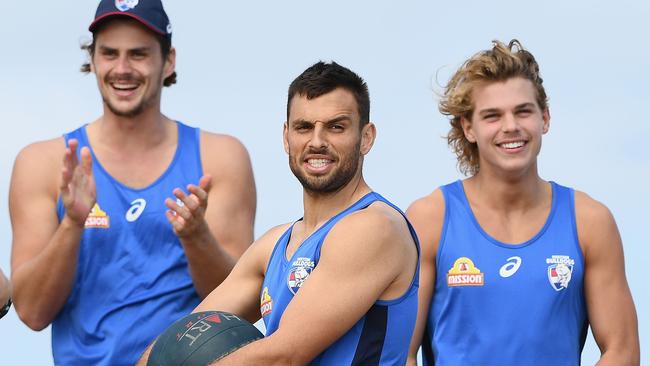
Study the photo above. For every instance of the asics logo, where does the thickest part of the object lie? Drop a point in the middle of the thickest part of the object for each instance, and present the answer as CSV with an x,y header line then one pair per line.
x,y
511,267
137,206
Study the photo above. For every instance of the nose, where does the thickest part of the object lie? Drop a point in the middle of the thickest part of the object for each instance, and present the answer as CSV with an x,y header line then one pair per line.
x,y
123,65
509,123
317,140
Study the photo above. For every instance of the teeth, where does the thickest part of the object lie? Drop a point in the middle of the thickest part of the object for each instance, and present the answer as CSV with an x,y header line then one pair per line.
x,y
318,163
125,86
513,145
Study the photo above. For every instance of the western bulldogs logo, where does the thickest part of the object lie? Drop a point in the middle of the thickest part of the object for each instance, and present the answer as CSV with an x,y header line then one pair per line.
x,y
300,270
559,271
124,5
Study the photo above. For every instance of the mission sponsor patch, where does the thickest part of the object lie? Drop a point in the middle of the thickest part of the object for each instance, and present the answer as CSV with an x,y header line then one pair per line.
x,y
464,273
97,219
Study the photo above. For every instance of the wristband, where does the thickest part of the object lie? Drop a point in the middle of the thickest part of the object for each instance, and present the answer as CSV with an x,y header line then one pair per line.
x,y
5,309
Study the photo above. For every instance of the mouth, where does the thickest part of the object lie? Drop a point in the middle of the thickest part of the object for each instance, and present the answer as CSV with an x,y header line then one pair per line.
x,y
124,88
318,165
512,145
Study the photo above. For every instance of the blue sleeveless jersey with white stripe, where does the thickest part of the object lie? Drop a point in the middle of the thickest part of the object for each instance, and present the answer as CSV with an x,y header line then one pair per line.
x,y
132,278
503,304
380,337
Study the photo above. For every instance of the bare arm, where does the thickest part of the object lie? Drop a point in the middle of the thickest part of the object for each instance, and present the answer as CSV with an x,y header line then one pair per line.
x,y
44,252
239,292
609,302
364,258
427,216
215,235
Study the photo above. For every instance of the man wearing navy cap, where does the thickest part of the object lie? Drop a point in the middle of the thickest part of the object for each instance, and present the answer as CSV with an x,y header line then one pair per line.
x,y
125,241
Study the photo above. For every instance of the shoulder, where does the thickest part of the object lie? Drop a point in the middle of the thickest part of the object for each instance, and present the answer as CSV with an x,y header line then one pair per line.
x,y
590,211
37,170
594,222
427,215
223,154
220,143
273,235
42,150
40,158
263,247
379,227
430,208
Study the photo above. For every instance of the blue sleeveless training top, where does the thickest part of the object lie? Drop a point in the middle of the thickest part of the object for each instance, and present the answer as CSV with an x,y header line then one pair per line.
x,y
380,337
503,304
132,277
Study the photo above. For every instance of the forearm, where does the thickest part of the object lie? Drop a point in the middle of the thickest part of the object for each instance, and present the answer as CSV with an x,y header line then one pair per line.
x,y
261,352
145,355
209,263
411,360
623,349
622,357
42,285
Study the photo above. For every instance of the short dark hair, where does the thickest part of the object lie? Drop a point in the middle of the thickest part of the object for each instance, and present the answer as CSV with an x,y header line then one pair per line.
x,y
322,78
164,42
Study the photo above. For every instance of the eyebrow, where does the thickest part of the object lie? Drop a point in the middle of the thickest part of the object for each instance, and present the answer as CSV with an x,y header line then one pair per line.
x,y
497,110
525,105
137,49
328,122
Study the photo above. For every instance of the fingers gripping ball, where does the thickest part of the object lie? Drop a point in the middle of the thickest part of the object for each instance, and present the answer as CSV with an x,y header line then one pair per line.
x,y
201,338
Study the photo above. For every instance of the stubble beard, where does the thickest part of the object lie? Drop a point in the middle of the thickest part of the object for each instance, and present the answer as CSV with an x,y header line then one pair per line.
x,y
143,104
333,182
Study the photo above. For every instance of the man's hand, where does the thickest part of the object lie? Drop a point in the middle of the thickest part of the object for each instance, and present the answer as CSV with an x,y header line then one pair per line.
x,y
78,190
188,218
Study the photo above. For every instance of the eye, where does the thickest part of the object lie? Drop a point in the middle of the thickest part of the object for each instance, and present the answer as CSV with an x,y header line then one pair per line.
x,y
138,55
337,127
302,127
524,112
110,54
490,116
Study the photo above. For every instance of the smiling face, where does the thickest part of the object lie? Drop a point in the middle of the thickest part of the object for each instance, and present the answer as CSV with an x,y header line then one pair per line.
x,y
324,141
129,67
507,125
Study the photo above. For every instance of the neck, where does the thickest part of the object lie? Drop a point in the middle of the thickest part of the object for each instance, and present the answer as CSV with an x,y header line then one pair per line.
x,y
320,207
507,192
148,128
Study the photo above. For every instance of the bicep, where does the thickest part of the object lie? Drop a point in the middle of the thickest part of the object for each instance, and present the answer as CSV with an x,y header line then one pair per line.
x,y
239,292
427,217
231,204
32,207
609,302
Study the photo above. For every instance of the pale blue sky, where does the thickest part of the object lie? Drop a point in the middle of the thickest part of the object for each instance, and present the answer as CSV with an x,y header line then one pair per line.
x,y
236,59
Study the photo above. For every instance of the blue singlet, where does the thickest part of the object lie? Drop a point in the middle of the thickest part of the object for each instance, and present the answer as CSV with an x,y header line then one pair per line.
x,y
503,304
132,277
380,337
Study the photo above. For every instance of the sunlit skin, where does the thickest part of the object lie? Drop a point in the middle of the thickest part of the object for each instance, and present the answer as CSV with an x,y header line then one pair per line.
x,y
129,67
323,140
507,125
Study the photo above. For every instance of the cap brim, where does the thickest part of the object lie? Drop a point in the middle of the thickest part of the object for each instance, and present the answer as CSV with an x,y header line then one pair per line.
x,y
103,17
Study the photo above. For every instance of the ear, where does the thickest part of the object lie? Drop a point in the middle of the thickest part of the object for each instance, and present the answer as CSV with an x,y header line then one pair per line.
x,y
368,135
546,116
467,129
170,63
285,136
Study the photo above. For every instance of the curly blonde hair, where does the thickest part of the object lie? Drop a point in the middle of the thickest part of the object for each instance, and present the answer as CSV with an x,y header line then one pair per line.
x,y
497,64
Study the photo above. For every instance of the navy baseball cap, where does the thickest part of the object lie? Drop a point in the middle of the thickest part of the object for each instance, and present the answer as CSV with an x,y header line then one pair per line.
x,y
148,12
